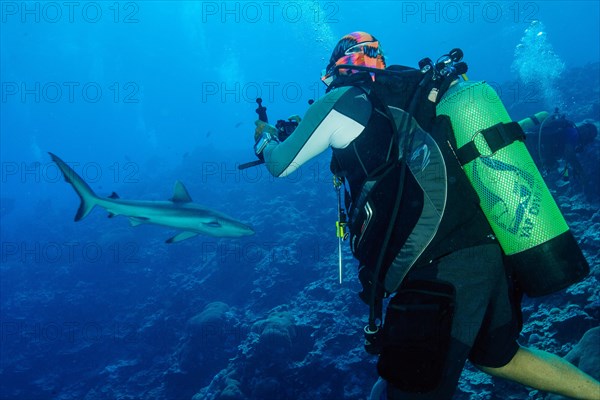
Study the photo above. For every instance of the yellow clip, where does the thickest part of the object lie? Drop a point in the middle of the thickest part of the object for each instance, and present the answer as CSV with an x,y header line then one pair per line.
x,y
337,182
340,228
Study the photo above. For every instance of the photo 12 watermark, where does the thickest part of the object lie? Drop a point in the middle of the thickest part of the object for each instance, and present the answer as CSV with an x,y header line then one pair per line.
x,y
453,12
70,12
494,92
254,252
269,91
48,172
16,332
70,92
69,252
254,12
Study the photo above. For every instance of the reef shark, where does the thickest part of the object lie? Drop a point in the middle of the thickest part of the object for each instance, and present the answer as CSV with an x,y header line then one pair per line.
x,y
178,213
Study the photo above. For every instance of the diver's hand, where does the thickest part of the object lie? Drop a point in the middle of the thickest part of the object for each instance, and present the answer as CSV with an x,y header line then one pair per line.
x,y
263,135
263,127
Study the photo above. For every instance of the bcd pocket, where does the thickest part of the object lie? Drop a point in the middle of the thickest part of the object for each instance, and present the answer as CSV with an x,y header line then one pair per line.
x,y
370,216
416,335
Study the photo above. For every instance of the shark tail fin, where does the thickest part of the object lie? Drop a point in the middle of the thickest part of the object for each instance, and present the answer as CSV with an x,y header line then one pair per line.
x,y
86,194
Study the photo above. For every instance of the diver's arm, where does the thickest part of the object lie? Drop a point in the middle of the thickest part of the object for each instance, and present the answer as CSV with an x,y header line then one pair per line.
x,y
326,123
544,371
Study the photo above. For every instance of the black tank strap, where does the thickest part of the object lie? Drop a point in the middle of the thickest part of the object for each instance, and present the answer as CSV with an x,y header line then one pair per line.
x,y
497,137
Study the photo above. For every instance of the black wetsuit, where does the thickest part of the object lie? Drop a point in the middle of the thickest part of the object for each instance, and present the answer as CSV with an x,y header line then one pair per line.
x,y
557,139
440,234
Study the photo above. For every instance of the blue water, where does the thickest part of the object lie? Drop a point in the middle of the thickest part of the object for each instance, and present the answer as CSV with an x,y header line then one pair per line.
x,y
135,95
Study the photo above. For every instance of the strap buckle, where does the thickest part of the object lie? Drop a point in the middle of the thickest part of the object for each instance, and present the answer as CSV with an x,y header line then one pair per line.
x,y
496,138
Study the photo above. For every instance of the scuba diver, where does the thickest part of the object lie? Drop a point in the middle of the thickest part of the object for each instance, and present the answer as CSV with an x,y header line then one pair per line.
x,y
554,144
417,227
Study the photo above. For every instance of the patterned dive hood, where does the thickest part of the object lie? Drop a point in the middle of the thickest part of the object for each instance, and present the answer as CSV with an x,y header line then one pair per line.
x,y
356,48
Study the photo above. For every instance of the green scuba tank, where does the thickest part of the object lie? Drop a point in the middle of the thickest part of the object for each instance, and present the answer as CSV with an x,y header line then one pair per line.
x,y
533,122
519,207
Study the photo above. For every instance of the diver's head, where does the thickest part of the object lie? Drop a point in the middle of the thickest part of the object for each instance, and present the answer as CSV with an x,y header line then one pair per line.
x,y
587,133
356,48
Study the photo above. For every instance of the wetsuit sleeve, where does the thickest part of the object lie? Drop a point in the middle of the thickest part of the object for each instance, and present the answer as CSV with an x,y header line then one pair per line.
x,y
335,120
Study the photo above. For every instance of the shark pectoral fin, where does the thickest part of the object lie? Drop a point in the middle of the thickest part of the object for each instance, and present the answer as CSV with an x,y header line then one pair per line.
x,y
114,195
110,215
180,194
135,221
181,236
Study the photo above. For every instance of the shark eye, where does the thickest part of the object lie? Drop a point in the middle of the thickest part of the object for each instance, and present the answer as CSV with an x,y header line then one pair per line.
x,y
213,224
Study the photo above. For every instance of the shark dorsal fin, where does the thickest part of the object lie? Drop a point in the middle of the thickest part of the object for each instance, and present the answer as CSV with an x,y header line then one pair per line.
x,y
114,195
180,194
